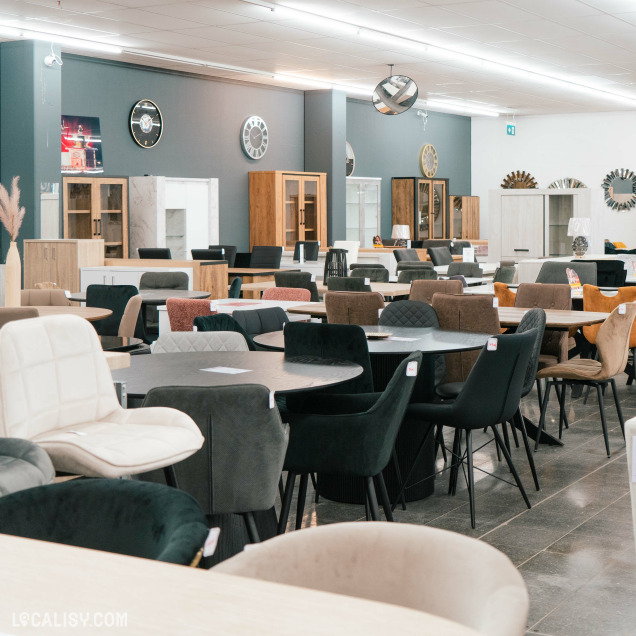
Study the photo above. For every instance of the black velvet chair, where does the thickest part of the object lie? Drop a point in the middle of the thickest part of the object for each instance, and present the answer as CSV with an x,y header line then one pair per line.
x,y
406,254
609,273
242,259
440,255
358,443
159,280
310,250
239,466
222,322
208,255
490,395
154,252
115,298
468,270
297,280
374,274
235,287
266,256
349,284
128,517
229,253
257,321
420,273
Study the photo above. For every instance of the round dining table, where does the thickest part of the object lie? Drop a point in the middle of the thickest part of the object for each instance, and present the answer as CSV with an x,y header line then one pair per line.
x,y
88,313
119,343
153,296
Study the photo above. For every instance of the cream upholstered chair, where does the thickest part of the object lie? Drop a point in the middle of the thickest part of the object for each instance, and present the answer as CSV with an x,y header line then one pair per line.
x,y
43,297
185,341
56,390
129,319
473,583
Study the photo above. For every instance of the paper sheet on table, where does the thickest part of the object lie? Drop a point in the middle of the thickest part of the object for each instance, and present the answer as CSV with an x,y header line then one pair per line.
x,y
401,339
226,370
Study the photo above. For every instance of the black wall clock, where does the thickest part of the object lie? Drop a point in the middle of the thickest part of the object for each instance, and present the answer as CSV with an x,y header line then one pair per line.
x,y
146,123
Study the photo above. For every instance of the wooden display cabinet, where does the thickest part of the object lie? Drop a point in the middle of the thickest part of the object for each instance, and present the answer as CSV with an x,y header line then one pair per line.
x,y
97,208
464,217
286,207
422,204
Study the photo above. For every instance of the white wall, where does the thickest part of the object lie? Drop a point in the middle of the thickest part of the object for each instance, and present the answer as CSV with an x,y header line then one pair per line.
x,y
550,147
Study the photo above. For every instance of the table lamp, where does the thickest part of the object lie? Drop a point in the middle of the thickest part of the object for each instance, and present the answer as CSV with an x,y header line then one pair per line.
x,y
402,233
580,229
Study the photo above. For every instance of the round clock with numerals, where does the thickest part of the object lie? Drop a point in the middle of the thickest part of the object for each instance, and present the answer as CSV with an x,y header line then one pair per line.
x,y
428,160
146,123
254,137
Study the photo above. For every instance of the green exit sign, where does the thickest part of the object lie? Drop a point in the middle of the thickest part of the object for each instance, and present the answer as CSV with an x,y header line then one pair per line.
x,y
510,129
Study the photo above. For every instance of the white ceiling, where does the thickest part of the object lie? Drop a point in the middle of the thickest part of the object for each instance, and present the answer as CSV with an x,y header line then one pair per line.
x,y
589,42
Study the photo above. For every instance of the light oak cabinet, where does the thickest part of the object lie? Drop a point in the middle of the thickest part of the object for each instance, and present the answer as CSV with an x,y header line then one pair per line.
x,y
464,217
422,204
97,208
286,207
59,261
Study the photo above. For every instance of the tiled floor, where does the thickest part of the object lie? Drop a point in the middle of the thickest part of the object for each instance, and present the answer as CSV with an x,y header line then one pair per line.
x,y
575,547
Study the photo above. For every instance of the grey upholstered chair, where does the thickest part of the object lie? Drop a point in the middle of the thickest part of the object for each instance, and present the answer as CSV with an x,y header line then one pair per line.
x,y
23,464
300,280
374,274
406,254
420,273
554,272
347,284
504,274
229,253
240,464
186,341
266,256
402,265
257,321
468,270
440,255
160,280
310,250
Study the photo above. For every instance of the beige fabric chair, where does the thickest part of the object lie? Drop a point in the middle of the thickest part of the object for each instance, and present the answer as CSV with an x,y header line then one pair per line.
x,y
185,341
46,285
436,571
129,319
353,308
56,390
9,314
423,290
44,297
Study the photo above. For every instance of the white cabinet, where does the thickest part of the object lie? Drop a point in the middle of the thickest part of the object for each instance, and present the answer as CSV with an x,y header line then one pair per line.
x,y
171,212
363,210
533,223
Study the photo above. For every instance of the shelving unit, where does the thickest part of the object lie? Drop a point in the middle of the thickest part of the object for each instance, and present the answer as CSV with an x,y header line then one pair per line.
x,y
363,209
422,204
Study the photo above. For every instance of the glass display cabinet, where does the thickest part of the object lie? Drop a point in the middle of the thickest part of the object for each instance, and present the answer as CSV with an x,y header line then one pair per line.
x,y
363,209
423,205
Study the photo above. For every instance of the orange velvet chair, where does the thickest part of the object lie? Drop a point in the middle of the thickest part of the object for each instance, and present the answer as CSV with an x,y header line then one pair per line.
x,y
287,293
505,296
183,311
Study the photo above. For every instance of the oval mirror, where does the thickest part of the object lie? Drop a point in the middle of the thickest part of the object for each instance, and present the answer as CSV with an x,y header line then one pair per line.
x,y
351,160
620,189
395,95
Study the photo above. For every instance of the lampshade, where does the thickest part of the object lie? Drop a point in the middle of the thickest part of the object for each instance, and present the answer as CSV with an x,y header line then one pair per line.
x,y
401,232
578,226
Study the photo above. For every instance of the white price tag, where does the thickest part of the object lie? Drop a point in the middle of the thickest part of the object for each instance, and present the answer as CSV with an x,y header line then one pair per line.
x,y
380,311
367,281
411,369
222,251
301,253
272,401
67,293
313,278
468,255
622,308
495,302
213,306
209,547
492,344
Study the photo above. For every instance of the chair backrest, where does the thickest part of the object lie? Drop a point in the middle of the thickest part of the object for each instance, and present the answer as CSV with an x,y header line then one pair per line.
x,y
440,255
287,293
406,254
154,252
301,280
411,274
505,295
115,298
343,342
129,320
229,254
465,313
413,265
43,297
457,247
612,340
347,284
9,314
353,266
504,274
208,255
242,259
187,341
53,374
223,322
46,285
424,289
257,321
310,250
488,592
235,287
460,278
353,308
374,274
595,300
266,256
164,280
408,313
534,320
468,270
554,272
352,248
609,272
240,464
183,311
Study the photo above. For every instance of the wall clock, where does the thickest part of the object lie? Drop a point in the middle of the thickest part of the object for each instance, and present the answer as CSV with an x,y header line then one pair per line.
x,y
146,123
351,160
428,160
254,137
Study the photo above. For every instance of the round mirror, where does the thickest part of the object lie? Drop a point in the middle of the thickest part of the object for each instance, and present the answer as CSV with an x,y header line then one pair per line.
x,y
620,189
395,95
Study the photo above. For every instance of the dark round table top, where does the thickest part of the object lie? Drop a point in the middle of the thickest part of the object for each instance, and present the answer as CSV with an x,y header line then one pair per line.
x,y
427,340
117,343
262,367
154,296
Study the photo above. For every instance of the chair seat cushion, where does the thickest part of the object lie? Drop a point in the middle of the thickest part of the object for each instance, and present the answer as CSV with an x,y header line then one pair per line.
x,y
23,465
449,390
123,443
576,369
547,361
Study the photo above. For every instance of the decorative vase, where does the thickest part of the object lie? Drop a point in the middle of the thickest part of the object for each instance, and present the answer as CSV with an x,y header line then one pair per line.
x,y
12,277
579,246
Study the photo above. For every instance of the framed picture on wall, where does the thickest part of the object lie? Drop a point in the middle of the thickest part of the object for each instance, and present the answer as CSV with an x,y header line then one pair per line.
x,y
81,145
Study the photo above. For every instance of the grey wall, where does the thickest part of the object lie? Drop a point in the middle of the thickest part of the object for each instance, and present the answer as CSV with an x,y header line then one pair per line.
x,y
389,146
202,121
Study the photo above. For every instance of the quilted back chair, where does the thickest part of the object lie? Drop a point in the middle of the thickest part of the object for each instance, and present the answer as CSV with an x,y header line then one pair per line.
x,y
595,300
266,256
235,287
465,313
374,274
164,280
229,253
186,341
183,311
347,284
44,297
154,252
467,270
533,319
310,250
287,293
223,322
440,255
257,321
9,314
56,389
420,273
297,279
424,289
553,272
353,308
406,254
23,464
115,298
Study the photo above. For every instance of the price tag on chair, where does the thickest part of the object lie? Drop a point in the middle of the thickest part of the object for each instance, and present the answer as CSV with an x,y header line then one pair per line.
x,y
213,306
272,400
411,369
492,344
367,281
209,547
313,278
622,308
495,302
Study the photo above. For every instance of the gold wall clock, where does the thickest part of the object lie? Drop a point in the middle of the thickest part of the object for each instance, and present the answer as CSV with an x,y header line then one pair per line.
x,y
428,160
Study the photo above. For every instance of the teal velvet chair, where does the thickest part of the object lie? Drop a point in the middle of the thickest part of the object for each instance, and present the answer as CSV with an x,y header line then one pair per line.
x,y
115,298
235,287
128,517
222,322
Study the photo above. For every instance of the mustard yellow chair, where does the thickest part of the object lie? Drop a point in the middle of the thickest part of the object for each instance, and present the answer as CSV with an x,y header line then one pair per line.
x,y
505,295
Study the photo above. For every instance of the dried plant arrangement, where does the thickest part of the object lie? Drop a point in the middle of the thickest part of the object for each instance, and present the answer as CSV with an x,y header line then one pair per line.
x,y
11,214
